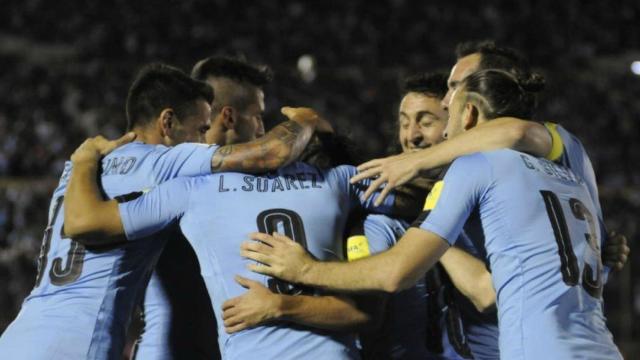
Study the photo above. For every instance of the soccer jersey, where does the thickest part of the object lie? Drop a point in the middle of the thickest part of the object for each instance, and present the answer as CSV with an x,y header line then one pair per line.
x,y
404,333
542,240
567,150
217,212
480,330
83,297
178,318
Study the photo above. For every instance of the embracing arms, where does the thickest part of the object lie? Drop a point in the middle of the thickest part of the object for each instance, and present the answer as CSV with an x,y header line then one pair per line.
x,y
277,148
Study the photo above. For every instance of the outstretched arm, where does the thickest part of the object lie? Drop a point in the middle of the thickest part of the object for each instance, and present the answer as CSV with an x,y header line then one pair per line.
x,y
526,136
260,306
280,146
393,270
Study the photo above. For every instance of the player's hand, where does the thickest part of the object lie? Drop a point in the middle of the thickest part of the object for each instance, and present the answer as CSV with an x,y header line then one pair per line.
x,y
389,173
616,251
277,255
304,114
255,307
93,148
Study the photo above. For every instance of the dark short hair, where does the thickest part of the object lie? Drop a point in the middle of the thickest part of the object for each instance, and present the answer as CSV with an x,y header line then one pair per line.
x,y
500,93
327,150
160,86
494,56
431,84
232,68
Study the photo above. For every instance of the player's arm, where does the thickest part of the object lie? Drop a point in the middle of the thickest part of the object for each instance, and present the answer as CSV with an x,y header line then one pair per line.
x,y
391,271
280,146
471,277
85,211
522,135
260,306
91,220
399,267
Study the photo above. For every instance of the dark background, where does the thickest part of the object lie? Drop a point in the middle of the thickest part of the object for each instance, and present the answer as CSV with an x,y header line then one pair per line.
x,y
65,67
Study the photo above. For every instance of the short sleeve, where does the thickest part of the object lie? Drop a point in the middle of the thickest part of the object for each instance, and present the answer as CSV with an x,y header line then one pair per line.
x,y
452,200
379,234
188,159
557,144
156,209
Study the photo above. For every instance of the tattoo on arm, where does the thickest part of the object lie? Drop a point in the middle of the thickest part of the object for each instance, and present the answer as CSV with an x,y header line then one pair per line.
x,y
277,148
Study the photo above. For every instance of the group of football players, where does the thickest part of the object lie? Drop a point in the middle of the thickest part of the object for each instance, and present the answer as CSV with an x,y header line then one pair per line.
x,y
241,244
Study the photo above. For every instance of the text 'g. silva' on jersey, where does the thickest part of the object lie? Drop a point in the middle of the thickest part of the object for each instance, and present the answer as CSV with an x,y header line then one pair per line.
x,y
542,240
217,212
83,297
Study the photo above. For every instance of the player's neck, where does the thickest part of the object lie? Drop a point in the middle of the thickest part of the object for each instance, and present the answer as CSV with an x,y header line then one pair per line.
x,y
148,136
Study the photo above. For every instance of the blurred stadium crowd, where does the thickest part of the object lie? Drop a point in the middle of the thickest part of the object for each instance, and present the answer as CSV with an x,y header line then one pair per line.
x,y
66,67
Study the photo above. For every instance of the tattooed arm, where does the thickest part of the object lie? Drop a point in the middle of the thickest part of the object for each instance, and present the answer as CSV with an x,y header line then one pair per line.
x,y
277,148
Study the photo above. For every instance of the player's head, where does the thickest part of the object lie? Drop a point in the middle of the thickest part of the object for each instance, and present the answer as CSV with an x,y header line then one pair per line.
x,y
327,150
488,94
421,118
483,55
169,104
239,103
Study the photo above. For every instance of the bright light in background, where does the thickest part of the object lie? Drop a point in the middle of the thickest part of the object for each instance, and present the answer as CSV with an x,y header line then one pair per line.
x,y
307,67
635,67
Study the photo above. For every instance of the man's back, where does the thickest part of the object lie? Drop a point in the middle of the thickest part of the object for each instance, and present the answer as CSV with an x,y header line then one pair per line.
x,y
216,214
83,297
539,227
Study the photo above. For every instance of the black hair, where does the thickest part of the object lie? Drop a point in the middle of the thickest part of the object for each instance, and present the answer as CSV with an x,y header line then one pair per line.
x,y
236,80
160,86
431,84
327,150
494,56
500,93
232,68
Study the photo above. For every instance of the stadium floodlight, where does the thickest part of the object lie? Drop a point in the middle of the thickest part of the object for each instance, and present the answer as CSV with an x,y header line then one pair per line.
x,y
635,67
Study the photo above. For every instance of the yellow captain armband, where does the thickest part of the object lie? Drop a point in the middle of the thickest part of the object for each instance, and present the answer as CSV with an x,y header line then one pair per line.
x,y
557,146
357,247
434,195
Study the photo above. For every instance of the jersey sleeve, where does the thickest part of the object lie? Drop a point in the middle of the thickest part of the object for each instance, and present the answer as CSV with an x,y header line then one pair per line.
x,y
156,209
188,159
342,175
451,200
568,151
377,233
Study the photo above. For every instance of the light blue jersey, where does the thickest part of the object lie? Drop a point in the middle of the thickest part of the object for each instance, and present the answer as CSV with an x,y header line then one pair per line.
x,y
480,329
83,298
216,213
542,240
404,333
179,322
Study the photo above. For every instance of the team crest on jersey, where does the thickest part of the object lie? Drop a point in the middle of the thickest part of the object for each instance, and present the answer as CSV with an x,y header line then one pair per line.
x,y
434,195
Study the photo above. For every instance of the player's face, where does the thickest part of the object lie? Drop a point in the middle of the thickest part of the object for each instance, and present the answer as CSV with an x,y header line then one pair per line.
x,y
193,127
250,125
456,114
421,120
463,68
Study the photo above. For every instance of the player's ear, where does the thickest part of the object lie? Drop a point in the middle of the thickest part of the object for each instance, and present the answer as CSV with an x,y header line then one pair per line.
x,y
470,116
228,114
166,121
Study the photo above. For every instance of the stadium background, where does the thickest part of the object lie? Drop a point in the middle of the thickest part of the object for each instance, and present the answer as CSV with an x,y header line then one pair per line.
x,y
66,65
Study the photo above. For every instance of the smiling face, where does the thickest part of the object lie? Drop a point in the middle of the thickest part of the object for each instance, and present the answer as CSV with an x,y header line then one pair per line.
x,y
421,121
